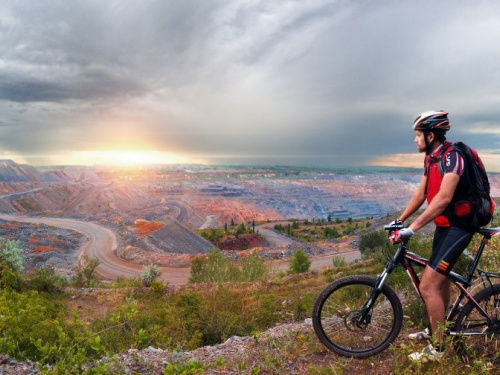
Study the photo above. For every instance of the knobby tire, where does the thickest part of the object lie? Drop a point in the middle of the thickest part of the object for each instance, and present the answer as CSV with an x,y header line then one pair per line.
x,y
479,339
336,309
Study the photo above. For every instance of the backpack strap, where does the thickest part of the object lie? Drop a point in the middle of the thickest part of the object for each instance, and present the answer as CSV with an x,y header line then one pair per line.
x,y
441,156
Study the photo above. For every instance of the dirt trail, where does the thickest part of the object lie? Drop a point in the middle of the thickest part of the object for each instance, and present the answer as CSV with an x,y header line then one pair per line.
x,y
101,243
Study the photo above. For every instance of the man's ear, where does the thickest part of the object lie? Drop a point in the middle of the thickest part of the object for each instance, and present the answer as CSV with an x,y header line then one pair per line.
x,y
431,137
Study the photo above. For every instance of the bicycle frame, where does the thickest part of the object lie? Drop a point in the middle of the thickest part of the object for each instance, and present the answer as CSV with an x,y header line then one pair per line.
x,y
408,260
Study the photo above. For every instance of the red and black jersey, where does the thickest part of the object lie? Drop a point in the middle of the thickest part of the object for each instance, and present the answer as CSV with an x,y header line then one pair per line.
x,y
451,162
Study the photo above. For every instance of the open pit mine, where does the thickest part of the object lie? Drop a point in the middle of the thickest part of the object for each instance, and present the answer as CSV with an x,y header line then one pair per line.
x,y
132,217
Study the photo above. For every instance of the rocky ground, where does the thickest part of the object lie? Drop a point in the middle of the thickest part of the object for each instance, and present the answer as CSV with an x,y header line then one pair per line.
x,y
44,246
238,352
153,361
246,355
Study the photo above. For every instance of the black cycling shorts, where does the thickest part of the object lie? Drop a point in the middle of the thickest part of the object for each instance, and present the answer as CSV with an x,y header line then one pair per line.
x,y
449,243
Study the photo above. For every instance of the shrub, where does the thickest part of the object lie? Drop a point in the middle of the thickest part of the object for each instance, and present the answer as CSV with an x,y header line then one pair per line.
x,y
45,280
240,230
254,268
223,314
126,282
149,274
213,234
300,262
85,277
372,241
339,261
331,232
11,264
11,253
25,319
8,278
216,268
119,330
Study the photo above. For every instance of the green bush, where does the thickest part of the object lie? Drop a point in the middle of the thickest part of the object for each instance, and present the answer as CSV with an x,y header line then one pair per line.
x,y
45,280
11,264
12,254
26,319
85,276
150,274
223,315
300,262
339,261
254,268
331,232
213,234
218,268
9,279
268,310
372,241
126,282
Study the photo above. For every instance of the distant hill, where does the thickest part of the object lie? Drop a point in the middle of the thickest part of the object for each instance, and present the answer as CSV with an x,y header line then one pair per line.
x,y
10,171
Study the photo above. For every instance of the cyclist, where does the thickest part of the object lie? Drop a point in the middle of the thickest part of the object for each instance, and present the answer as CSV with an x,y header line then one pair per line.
x,y
452,234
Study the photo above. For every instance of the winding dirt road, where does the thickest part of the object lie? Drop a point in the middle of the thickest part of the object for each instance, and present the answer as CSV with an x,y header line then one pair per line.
x,y
101,244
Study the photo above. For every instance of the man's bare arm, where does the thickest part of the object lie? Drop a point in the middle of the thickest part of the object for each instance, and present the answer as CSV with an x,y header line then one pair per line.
x,y
416,200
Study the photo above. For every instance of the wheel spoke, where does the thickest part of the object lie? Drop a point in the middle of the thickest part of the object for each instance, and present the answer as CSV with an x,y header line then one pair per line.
x,y
337,312
479,337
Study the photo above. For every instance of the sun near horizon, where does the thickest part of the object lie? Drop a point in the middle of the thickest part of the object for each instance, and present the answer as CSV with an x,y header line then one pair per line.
x,y
127,158
119,158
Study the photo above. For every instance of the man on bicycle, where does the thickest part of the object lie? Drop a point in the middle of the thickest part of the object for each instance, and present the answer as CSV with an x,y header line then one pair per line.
x,y
452,234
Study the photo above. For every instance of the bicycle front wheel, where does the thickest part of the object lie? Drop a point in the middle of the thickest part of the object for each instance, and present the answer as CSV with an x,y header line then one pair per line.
x,y
336,317
478,336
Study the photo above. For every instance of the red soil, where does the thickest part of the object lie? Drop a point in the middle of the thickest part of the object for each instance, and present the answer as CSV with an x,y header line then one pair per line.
x,y
43,249
144,227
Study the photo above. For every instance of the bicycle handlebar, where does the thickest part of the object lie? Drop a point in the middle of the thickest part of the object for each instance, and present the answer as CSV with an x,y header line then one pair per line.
x,y
393,227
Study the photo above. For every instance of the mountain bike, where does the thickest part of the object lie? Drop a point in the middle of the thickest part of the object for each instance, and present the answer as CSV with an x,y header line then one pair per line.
x,y
359,316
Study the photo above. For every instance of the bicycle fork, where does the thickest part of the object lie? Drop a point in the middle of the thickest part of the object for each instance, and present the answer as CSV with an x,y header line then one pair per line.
x,y
365,315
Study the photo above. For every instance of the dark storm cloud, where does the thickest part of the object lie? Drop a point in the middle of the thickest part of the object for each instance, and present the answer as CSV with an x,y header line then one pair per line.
x,y
90,85
325,80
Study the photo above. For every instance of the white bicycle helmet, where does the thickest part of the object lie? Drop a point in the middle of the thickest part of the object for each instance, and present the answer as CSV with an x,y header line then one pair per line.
x,y
432,120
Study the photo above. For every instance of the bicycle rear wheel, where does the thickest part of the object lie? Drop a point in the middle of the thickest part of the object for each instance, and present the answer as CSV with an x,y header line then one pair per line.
x,y
338,307
479,336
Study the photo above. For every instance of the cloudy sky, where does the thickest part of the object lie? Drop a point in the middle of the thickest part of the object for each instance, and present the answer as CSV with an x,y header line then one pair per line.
x,y
318,82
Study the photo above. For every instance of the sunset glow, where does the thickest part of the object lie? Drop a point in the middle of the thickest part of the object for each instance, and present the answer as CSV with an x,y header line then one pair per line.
x,y
126,158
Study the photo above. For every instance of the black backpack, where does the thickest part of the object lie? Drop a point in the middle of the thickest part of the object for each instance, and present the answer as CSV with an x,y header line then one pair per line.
x,y
477,187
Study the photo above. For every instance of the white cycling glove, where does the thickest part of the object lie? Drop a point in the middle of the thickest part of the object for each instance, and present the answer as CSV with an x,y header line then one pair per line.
x,y
401,235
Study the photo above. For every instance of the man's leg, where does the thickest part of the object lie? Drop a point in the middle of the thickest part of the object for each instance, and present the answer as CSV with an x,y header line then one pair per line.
x,y
435,290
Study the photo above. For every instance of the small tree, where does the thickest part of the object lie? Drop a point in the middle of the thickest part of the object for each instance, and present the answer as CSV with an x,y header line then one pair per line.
x,y
300,262
216,268
339,261
331,232
240,230
85,277
212,234
12,254
371,241
11,264
253,267
149,274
